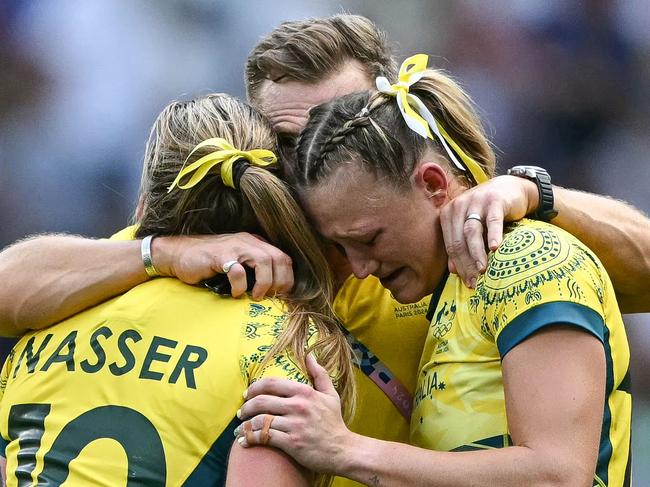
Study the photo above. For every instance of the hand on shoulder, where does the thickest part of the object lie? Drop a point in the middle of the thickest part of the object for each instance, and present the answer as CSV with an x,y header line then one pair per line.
x,y
501,199
198,257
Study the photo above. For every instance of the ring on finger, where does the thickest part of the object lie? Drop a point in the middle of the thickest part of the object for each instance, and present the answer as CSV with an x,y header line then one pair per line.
x,y
228,265
474,216
248,432
265,434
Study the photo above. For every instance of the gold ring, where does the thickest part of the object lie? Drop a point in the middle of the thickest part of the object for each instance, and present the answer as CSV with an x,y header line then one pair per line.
x,y
265,434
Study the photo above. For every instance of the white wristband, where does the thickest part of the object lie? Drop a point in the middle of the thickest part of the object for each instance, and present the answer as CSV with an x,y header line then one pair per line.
x,y
145,250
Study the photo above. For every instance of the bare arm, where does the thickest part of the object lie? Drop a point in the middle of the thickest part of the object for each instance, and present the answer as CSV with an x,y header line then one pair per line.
x,y
556,435
263,466
617,233
48,278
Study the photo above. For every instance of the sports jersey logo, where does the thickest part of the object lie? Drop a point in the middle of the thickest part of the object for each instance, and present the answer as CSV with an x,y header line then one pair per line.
x,y
444,320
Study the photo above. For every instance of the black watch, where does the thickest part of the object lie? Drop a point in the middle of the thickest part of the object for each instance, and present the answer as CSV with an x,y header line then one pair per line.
x,y
545,209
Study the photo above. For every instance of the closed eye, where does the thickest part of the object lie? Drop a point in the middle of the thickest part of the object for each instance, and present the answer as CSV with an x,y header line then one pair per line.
x,y
370,240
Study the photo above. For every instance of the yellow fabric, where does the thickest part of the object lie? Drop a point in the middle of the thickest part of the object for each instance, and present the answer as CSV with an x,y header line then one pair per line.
x,y
127,233
225,157
393,332
165,359
539,276
418,117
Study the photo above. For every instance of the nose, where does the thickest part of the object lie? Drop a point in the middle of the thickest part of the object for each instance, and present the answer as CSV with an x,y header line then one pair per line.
x,y
362,265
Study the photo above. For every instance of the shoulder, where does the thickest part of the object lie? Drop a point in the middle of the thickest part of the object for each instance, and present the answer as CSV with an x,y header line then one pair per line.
x,y
540,276
262,328
262,322
535,253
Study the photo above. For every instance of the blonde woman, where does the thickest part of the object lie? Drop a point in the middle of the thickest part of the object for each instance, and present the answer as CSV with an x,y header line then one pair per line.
x,y
524,379
144,389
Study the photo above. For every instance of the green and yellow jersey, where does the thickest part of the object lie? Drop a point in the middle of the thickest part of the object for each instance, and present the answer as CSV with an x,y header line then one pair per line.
x,y
140,390
386,335
539,276
387,331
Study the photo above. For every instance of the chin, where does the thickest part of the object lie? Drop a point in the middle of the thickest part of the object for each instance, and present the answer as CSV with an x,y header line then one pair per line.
x,y
407,296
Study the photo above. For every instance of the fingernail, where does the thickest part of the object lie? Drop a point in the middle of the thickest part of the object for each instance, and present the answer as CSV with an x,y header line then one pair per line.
x,y
479,265
241,441
239,413
236,431
245,394
493,244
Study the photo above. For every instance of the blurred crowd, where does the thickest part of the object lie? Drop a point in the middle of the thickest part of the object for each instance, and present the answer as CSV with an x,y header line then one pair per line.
x,y
560,83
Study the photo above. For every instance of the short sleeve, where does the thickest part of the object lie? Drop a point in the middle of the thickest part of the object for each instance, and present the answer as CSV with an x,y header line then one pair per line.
x,y
540,276
264,325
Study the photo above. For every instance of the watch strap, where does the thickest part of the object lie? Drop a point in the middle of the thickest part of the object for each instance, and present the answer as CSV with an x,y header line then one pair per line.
x,y
546,202
546,207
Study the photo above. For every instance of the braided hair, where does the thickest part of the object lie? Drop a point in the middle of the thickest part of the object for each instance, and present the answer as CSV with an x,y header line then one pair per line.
x,y
368,128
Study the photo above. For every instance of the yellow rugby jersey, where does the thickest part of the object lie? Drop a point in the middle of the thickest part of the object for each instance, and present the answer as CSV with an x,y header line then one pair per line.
x,y
539,276
384,330
140,390
394,333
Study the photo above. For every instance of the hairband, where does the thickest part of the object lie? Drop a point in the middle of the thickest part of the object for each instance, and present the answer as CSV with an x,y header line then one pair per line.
x,y
225,157
418,117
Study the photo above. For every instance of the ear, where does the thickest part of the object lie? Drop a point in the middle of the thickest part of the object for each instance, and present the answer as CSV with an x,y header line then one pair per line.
x,y
432,179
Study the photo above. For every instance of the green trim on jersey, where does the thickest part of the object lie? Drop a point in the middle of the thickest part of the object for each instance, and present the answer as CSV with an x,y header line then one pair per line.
x,y
540,276
550,314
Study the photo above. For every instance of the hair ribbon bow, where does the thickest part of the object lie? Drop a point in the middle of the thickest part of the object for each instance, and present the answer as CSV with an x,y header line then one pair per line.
x,y
418,117
225,157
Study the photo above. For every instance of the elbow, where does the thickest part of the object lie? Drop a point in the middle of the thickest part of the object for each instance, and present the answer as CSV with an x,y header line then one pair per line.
x,y
12,302
567,473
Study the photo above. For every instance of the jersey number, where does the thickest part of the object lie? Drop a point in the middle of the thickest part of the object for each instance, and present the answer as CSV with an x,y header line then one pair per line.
x,y
132,430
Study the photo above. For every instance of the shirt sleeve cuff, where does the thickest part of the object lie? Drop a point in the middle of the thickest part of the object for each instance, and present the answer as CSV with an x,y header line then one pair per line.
x,y
548,314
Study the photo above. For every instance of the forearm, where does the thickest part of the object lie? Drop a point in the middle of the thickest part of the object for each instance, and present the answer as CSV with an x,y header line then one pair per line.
x,y
51,277
618,234
261,466
380,463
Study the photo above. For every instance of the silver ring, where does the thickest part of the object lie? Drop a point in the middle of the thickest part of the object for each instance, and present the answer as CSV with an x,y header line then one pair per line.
x,y
228,265
474,216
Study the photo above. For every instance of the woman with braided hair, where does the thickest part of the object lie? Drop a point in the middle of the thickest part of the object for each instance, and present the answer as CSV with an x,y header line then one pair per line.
x,y
144,388
523,380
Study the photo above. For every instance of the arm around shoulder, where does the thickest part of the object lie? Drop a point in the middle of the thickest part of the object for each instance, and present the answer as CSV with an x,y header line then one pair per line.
x,y
48,278
618,234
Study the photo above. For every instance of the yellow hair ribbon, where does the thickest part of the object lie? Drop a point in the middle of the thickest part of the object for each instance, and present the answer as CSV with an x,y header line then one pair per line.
x,y
418,117
225,157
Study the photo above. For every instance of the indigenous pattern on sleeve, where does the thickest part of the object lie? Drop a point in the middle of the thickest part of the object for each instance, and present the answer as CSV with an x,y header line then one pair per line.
x,y
540,276
141,390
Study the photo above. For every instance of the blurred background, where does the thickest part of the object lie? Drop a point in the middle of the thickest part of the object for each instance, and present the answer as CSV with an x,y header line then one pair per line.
x,y
560,83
